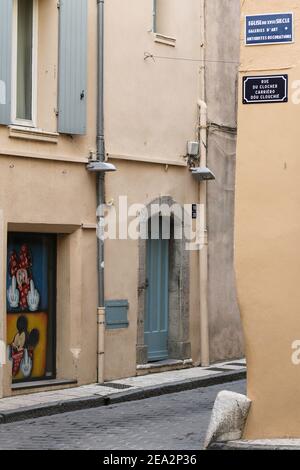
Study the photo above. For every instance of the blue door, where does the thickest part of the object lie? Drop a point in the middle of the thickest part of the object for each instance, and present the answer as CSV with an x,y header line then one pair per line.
x,y
157,299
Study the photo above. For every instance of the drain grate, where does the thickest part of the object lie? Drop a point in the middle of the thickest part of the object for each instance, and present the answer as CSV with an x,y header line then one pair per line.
x,y
116,386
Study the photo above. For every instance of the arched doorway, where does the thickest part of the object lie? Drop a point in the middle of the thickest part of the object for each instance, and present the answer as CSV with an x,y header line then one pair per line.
x,y
163,290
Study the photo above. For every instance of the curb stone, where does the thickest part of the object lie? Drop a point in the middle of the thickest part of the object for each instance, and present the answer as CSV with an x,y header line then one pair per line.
x,y
237,446
95,401
60,407
180,386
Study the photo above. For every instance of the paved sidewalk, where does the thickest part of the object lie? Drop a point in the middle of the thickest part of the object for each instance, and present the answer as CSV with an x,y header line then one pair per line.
x,y
135,388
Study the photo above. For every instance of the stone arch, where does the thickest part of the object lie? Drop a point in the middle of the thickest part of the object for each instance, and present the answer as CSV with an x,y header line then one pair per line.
x,y
179,346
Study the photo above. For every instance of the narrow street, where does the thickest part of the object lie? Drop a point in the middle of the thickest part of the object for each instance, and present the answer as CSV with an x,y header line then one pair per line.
x,y
170,422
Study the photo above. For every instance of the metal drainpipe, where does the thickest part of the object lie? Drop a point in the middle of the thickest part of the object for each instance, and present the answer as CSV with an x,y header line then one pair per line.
x,y
203,253
154,16
100,191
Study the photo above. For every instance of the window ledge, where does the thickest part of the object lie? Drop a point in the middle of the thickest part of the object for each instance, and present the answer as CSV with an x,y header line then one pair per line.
x,y
166,40
29,133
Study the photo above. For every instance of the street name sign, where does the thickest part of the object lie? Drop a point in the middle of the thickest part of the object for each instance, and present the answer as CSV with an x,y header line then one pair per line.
x,y
194,211
265,89
271,28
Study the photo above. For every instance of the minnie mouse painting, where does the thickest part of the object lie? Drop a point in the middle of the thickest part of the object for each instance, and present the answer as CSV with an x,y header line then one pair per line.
x,y
22,292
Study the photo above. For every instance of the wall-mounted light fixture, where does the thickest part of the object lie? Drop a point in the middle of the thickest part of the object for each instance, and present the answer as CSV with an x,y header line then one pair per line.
x,y
98,167
203,174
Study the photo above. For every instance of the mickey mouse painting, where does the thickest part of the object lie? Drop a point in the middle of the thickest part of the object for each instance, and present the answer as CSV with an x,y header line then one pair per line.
x,y
21,350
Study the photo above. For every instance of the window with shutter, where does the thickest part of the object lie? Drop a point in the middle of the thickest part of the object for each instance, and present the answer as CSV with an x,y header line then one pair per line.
x,y
24,78
6,9
72,95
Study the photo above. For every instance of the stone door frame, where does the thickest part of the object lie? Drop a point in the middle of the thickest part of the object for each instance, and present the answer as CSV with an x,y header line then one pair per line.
x,y
179,346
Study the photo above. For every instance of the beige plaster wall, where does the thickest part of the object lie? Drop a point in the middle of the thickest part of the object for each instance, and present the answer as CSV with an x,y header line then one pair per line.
x,y
122,257
43,196
142,117
145,122
267,235
44,187
150,114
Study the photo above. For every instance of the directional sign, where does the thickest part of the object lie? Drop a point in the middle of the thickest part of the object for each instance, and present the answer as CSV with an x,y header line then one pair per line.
x,y
271,28
265,89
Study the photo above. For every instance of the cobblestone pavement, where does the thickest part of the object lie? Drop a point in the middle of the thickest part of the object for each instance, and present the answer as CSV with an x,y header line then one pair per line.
x,y
170,422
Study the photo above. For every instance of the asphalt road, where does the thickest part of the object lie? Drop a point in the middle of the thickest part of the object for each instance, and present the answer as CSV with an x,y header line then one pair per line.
x,y
170,422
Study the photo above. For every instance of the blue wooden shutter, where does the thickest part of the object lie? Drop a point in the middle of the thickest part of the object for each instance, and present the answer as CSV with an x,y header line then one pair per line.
x,y
5,60
72,67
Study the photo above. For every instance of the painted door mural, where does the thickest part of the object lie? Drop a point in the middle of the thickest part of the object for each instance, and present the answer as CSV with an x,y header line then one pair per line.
x,y
31,263
157,298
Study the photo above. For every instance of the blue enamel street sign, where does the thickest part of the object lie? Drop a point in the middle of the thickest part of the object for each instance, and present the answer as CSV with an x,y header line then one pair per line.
x,y
272,28
265,89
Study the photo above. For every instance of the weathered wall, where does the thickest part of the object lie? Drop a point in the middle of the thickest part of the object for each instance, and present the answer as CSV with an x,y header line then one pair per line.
x,y
122,258
151,112
151,105
43,196
222,57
